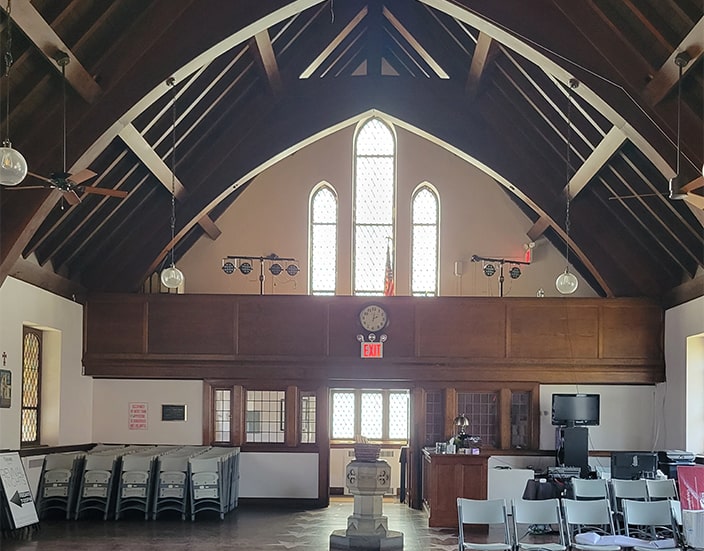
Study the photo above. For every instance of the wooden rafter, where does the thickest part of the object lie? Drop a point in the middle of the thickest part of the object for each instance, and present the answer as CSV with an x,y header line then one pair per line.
x,y
265,53
666,78
484,53
49,43
136,142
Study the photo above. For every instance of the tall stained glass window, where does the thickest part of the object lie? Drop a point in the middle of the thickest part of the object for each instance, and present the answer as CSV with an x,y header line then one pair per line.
x,y
323,241
424,259
374,195
31,385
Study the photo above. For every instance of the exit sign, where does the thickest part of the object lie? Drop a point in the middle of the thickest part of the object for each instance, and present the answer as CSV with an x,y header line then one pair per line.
x,y
372,350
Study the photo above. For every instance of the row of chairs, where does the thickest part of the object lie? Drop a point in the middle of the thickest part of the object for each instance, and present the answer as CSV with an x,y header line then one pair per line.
x,y
150,480
616,491
645,520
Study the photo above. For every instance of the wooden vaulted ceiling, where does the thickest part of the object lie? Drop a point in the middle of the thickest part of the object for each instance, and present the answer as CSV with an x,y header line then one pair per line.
x,y
257,79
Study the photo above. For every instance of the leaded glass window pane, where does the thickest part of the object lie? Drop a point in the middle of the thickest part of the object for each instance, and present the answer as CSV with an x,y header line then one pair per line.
x,y
343,415
323,242
265,415
434,417
424,260
398,415
373,206
222,415
481,408
372,415
520,419
31,382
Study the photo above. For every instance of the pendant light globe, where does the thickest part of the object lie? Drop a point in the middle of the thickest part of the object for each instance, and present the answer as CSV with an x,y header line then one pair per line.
x,y
172,277
566,283
13,167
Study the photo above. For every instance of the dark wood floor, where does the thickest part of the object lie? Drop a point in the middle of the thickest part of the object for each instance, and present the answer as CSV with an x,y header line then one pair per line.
x,y
248,527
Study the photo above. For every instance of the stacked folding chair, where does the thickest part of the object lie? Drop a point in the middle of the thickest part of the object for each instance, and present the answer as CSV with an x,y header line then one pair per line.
x,y
134,491
58,483
98,482
172,491
214,481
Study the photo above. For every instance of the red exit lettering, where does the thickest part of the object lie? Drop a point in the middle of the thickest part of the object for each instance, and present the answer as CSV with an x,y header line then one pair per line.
x,y
372,350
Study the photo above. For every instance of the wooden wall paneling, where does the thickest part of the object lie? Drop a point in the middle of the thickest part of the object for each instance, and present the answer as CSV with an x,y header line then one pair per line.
x,y
292,423
194,324
208,417
239,405
534,441
625,335
450,411
456,327
551,329
115,325
287,326
322,437
505,418
415,444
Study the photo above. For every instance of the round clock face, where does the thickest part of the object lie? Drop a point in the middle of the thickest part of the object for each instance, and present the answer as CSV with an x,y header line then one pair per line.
x,y
373,318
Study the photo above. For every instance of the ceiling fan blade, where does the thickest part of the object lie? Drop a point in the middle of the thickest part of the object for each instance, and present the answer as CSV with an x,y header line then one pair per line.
x,y
697,183
695,200
29,187
635,196
81,176
44,178
104,191
71,198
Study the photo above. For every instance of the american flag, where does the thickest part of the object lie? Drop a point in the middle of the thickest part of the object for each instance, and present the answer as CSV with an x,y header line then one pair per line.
x,y
389,287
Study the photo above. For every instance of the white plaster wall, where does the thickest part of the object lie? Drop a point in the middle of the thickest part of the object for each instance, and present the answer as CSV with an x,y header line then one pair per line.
x,y
68,394
476,217
681,396
279,475
111,406
627,417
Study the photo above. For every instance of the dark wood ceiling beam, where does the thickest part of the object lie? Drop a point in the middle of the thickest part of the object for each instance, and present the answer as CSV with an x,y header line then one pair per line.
x,y
139,146
374,40
484,54
29,271
49,43
264,51
334,43
667,76
413,42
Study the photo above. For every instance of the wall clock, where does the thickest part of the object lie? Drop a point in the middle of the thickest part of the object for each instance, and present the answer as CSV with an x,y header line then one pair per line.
x,y
373,318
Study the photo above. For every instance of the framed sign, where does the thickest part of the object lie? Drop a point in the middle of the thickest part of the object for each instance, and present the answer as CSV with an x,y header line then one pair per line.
x,y
5,388
173,412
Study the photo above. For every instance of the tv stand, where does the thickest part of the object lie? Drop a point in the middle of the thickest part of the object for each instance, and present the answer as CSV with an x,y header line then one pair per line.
x,y
572,444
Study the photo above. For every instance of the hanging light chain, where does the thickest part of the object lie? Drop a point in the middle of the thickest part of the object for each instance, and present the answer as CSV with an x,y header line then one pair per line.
x,y
8,63
573,83
172,83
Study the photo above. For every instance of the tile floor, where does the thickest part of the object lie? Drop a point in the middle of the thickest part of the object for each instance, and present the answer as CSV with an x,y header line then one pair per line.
x,y
248,527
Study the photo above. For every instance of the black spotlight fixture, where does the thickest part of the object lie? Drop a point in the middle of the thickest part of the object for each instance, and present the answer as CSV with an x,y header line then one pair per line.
x,y
489,270
514,272
246,267
275,269
292,270
228,267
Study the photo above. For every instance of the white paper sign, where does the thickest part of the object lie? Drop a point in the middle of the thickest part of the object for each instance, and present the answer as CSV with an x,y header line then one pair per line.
x,y
137,416
17,492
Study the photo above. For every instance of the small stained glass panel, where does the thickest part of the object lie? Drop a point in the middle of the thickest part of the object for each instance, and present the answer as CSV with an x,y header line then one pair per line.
x,y
398,415
323,242
424,259
31,381
372,415
343,415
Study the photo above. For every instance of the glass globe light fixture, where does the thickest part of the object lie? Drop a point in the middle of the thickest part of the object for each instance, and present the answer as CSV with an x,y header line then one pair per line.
x,y
13,167
172,277
566,283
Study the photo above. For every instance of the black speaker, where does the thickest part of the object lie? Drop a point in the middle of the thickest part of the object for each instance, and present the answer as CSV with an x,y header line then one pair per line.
x,y
573,450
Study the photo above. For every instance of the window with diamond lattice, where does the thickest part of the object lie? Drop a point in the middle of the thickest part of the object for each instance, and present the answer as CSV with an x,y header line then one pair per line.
x,y
481,408
374,194
379,415
31,385
424,259
323,241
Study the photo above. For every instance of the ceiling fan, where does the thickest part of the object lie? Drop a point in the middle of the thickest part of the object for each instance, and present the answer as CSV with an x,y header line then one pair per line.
x,y
679,190
71,185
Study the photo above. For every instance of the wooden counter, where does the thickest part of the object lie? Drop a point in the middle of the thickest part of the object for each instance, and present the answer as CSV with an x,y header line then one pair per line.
x,y
447,477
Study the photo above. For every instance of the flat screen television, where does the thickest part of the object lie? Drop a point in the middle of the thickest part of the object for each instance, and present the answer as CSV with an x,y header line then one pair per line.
x,y
633,465
571,410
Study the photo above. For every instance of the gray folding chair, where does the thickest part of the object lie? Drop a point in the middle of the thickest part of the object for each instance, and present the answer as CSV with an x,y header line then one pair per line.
x,y
526,513
592,515
490,512
650,520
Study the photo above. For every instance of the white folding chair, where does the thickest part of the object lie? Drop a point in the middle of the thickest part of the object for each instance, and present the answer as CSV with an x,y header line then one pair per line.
x,y
650,520
593,515
626,489
490,512
661,489
545,512
583,488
